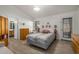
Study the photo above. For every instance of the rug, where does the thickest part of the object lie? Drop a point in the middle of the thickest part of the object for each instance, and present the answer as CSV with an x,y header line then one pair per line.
x,y
5,50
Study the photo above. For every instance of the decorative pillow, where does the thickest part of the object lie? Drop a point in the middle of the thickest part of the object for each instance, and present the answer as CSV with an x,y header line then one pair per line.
x,y
45,31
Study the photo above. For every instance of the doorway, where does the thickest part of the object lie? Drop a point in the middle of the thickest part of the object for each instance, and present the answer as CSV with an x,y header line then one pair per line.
x,y
67,27
11,30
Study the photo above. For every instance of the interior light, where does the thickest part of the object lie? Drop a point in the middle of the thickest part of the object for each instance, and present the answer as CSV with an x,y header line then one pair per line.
x,y
36,9
16,22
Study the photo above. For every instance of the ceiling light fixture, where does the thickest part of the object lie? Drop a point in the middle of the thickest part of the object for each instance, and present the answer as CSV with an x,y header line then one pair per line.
x,y
36,9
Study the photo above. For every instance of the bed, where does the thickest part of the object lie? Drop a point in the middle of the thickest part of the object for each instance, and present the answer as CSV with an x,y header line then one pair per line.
x,y
42,40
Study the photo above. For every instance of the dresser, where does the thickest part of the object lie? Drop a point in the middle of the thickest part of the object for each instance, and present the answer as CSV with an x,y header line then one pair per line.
x,y
75,43
23,33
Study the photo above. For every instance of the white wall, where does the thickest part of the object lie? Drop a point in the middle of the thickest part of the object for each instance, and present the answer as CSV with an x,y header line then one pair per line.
x,y
13,12
28,24
56,20
76,23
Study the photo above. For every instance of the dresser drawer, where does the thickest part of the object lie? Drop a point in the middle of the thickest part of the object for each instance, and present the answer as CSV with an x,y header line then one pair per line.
x,y
23,33
75,43
75,48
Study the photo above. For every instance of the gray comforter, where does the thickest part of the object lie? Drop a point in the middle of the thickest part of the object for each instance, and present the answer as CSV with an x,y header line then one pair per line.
x,y
42,40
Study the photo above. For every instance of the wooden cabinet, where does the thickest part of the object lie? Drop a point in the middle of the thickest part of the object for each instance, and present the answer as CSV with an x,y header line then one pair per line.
x,y
3,28
23,33
75,43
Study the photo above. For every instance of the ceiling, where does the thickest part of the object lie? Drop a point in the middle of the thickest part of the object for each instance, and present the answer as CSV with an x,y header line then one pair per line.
x,y
46,10
27,10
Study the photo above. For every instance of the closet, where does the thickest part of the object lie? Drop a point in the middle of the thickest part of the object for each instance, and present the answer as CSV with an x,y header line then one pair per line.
x,y
4,29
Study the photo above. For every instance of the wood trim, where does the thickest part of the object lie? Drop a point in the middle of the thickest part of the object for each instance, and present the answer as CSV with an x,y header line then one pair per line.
x,y
6,26
3,29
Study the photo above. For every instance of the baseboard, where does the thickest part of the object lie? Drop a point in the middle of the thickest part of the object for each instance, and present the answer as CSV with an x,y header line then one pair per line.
x,y
65,40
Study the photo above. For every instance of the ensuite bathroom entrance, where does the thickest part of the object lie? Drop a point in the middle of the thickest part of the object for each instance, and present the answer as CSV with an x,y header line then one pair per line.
x,y
13,26
11,30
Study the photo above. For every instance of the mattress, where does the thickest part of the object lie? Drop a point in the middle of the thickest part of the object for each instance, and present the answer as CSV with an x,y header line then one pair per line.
x,y
42,40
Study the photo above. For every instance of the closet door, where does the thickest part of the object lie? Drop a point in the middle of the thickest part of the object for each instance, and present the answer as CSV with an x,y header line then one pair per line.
x,y
3,26
0,28
6,26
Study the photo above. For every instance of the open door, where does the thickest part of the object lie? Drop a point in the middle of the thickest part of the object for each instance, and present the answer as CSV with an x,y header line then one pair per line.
x,y
11,31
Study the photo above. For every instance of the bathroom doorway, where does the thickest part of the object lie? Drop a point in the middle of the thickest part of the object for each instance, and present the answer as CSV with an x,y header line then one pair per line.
x,y
11,30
